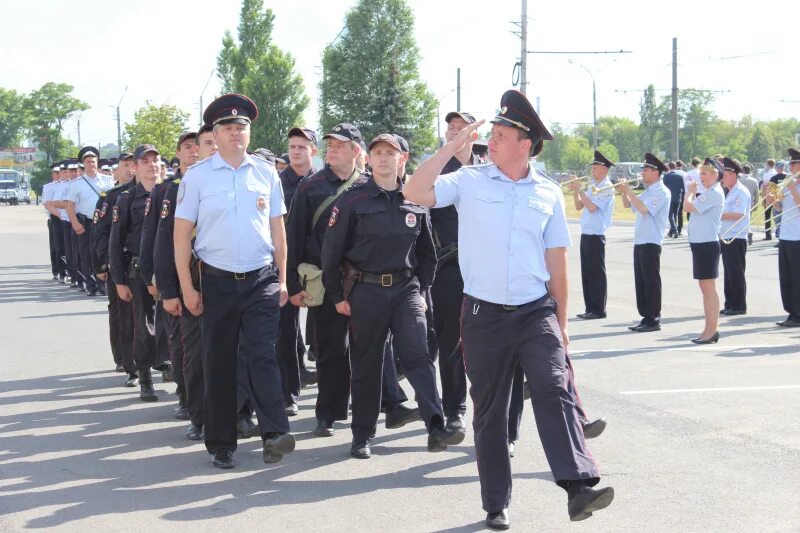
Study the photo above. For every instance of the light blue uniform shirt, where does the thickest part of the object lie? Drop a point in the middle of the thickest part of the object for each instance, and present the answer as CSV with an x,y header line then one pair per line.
x,y
705,223
84,192
47,194
504,228
790,220
737,201
232,210
598,222
59,194
650,226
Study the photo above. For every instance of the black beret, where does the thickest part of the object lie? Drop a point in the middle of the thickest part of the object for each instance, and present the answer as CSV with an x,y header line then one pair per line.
x,y
230,108
653,162
600,159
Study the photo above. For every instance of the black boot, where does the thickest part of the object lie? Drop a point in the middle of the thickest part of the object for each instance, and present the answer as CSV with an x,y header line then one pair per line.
x,y
147,392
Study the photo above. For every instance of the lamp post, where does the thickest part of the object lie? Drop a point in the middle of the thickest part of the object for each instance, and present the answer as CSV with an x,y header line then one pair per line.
x,y
594,93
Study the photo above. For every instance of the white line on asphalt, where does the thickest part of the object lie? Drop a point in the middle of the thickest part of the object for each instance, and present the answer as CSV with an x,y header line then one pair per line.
x,y
718,389
711,347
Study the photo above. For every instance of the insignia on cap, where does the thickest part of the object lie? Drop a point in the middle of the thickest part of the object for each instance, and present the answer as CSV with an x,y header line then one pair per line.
x,y
503,110
334,217
411,220
234,112
337,128
383,136
165,209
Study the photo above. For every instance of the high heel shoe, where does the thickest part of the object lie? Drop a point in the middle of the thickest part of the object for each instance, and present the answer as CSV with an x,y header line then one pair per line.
x,y
711,340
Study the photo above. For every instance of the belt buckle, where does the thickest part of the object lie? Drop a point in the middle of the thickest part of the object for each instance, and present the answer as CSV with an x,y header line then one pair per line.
x,y
510,307
239,275
384,282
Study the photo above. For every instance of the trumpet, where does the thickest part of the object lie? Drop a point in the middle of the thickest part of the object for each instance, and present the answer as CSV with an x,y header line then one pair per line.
x,y
776,189
773,189
573,180
596,189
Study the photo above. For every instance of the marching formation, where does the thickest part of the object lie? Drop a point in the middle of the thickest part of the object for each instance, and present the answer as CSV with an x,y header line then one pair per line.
x,y
463,263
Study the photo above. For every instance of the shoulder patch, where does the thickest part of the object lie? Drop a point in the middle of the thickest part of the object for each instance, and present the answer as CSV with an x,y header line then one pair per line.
x,y
103,209
96,216
165,209
334,217
147,206
115,214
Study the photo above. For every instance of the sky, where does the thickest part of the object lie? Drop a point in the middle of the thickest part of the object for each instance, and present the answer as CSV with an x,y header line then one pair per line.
x,y
164,52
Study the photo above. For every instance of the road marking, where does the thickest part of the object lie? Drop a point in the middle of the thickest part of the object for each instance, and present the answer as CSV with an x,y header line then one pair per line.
x,y
711,347
717,389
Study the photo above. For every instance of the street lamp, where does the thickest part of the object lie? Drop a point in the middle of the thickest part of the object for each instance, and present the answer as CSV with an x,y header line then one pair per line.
x,y
594,93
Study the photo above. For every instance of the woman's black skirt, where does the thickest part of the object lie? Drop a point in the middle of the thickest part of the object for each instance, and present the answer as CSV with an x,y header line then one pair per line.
x,y
705,259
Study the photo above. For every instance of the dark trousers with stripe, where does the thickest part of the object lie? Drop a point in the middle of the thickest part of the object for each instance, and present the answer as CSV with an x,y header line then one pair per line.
x,y
733,261
647,277
120,328
57,235
144,341
86,252
593,273
55,263
192,341
69,257
287,352
176,354
789,276
675,218
448,293
332,351
495,343
240,320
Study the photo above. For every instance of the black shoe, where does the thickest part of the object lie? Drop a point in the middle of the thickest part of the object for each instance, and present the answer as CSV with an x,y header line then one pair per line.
x,y
166,373
91,291
724,312
120,369
307,377
768,237
440,438
498,521
456,423
147,393
276,445
73,285
512,449
324,428
102,290
400,416
790,323
292,409
591,316
647,328
132,380
182,412
711,340
195,432
223,459
594,428
245,428
584,500
735,312
637,326
361,450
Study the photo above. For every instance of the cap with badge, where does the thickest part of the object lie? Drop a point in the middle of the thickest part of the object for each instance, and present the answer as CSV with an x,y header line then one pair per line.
x,y
651,161
142,150
731,165
123,156
403,143
517,112
600,159
463,115
88,151
794,155
345,132
387,138
231,109
311,135
72,164
716,164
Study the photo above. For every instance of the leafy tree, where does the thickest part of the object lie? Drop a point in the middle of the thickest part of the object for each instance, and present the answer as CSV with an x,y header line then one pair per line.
x,y
260,70
577,154
609,150
762,144
49,107
650,121
14,117
371,78
695,118
157,125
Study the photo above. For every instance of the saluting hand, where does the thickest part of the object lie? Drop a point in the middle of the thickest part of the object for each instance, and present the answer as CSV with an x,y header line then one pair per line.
x,y
343,308
193,301
467,135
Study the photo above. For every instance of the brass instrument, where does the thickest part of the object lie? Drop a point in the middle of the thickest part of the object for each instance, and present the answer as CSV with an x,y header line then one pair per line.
x,y
773,189
573,180
596,189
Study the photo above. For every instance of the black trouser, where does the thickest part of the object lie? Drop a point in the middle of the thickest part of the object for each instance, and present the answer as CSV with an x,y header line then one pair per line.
x,y
176,355
593,273
144,341
448,294
162,335
376,310
58,238
789,275
69,256
86,252
287,353
733,261
518,400
55,264
675,218
768,221
76,256
647,277
392,394
332,350
240,319
120,328
191,338
495,342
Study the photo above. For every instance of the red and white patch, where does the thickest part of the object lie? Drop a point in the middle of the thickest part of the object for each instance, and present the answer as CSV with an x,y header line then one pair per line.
x,y
115,214
165,209
334,217
103,209
147,207
411,220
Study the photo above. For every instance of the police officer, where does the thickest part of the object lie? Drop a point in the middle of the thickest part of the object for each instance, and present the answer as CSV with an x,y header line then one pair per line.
x,y
674,181
734,235
56,239
651,209
703,230
123,253
168,334
120,312
383,243
294,374
236,204
512,254
789,245
60,203
596,208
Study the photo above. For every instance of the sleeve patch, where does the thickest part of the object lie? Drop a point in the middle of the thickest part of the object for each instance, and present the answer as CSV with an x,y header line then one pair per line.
x,y
103,209
115,214
147,207
334,217
165,209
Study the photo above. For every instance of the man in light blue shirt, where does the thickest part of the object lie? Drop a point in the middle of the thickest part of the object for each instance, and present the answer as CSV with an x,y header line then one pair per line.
x,y
652,211
734,234
789,244
512,254
235,202
596,205
54,225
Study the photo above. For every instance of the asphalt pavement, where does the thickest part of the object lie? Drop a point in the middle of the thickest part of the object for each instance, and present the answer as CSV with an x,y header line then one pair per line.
x,y
700,438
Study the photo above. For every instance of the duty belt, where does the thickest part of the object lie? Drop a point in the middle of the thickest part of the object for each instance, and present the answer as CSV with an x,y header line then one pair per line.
x,y
386,279
213,271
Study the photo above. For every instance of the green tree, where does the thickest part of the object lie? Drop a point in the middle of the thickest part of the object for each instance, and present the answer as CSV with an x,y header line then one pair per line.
x,y
255,67
157,125
695,119
49,107
609,150
553,150
650,121
577,155
762,144
41,169
371,79
14,117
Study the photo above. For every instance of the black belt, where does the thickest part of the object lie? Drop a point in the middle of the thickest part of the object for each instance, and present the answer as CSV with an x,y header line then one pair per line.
x,y
213,271
502,307
386,279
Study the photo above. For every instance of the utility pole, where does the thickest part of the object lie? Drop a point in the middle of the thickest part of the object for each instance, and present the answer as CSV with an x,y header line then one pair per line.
x,y
594,111
210,74
675,98
458,89
79,132
119,121
523,53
